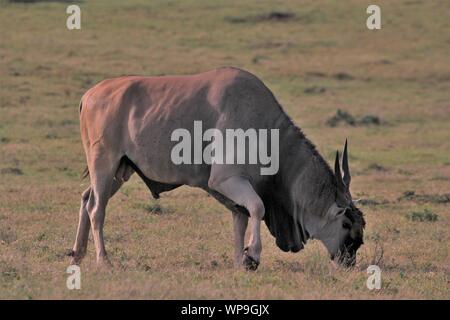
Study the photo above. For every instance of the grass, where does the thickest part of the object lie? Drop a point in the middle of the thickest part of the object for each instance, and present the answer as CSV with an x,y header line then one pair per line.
x,y
425,215
155,208
399,74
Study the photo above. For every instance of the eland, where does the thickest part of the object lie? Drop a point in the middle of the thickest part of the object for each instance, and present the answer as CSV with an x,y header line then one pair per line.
x,y
126,126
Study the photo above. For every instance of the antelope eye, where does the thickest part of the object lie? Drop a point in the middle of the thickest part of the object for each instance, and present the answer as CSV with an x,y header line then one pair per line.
x,y
346,225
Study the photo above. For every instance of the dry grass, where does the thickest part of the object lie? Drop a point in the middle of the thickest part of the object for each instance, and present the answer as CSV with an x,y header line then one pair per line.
x,y
400,74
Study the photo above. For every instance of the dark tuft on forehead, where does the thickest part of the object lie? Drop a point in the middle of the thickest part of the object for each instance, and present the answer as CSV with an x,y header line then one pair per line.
x,y
355,215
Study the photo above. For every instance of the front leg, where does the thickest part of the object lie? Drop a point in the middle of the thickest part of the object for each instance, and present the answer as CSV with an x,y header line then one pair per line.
x,y
240,191
240,222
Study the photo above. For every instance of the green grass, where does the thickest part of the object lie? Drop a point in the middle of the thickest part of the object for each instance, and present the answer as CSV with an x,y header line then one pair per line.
x,y
400,74
425,215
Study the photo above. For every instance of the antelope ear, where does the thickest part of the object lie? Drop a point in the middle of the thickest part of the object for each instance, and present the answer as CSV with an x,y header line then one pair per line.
x,y
337,173
345,167
334,211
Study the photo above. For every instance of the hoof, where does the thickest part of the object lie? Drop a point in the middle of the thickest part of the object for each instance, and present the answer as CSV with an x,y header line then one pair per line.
x,y
249,263
76,258
104,264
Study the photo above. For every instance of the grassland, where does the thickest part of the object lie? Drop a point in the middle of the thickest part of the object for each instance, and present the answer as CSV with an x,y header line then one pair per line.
x,y
319,60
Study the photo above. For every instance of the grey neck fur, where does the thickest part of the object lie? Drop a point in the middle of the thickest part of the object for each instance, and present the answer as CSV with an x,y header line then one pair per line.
x,y
308,176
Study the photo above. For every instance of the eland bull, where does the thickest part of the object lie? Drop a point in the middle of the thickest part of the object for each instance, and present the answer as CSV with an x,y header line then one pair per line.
x,y
126,125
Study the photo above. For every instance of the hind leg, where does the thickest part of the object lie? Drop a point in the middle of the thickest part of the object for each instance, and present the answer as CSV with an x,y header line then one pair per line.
x,y
102,181
84,224
81,240
103,169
